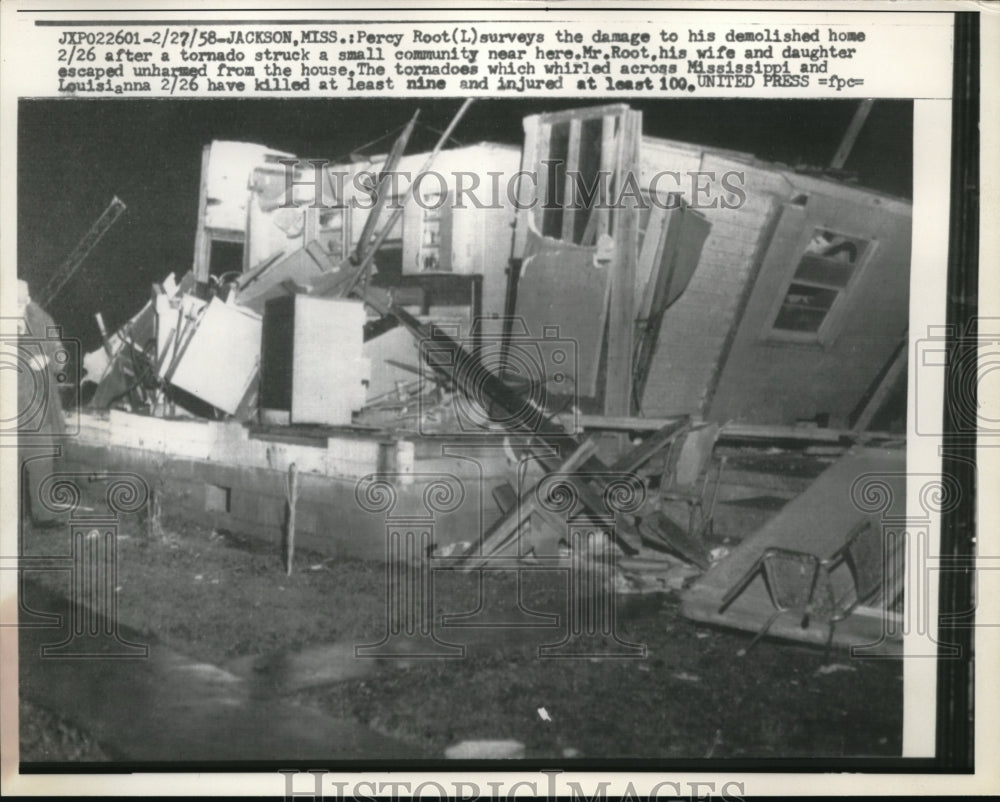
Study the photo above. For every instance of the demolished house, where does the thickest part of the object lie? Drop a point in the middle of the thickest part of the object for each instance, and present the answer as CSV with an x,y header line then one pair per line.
x,y
734,362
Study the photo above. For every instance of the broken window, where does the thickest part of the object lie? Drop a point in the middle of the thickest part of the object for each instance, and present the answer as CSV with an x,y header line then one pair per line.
x,y
225,258
332,232
828,267
430,258
577,182
426,234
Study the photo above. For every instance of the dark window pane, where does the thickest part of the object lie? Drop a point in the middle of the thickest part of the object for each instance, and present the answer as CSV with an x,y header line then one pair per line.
x,y
804,308
555,181
225,258
792,318
823,271
587,185
804,295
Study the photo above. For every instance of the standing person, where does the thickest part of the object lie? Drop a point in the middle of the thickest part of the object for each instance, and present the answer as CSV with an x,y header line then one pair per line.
x,y
40,412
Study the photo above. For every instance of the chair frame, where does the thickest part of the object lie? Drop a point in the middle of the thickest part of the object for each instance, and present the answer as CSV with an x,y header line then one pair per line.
x,y
818,577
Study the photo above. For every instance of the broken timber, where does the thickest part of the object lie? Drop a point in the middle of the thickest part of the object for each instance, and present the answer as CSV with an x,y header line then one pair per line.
x,y
592,475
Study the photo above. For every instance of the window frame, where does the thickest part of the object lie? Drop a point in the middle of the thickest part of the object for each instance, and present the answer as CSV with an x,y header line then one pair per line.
x,y
833,321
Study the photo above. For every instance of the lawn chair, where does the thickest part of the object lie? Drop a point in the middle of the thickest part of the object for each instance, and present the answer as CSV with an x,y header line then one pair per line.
x,y
802,584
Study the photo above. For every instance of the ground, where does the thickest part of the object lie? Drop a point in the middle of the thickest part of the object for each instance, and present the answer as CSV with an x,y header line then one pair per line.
x,y
227,600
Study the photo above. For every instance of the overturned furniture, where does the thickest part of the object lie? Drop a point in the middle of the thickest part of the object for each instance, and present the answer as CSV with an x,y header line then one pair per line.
x,y
822,571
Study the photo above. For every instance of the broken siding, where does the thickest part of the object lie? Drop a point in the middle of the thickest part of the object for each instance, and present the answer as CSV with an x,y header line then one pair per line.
x,y
480,239
696,330
767,379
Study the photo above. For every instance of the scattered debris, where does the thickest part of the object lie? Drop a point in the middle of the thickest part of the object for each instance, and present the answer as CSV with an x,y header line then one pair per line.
x,y
458,547
305,332
718,553
716,742
485,750
833,668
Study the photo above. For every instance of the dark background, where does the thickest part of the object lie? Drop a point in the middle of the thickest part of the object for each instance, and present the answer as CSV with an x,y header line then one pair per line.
x,y
74,155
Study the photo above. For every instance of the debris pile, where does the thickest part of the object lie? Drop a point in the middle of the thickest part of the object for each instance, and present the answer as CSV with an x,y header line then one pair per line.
x,y
286,320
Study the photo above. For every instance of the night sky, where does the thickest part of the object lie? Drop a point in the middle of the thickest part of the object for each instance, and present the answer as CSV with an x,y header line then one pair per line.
x,y
74,155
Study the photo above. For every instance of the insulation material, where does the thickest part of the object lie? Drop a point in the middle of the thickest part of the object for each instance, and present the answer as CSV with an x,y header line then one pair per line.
x,y
221,358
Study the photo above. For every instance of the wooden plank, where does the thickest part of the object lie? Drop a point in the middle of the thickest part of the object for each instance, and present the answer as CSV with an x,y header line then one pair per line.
x,y
812,434
535,211
589,491
621,316
202,242
851,134
897,365
585,112
572,166
651,446
609,159
381,196
626,422
527,192
650,259
502,531
677,258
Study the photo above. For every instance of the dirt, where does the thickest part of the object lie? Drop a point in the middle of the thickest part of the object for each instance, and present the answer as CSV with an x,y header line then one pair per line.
x,y
226,600
47,737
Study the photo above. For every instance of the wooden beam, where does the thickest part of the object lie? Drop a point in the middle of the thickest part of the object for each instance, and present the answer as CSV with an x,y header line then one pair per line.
x,y
569,186
621,315
527,191
646,450
509,525
626,422
202,242
851,135
609,158
897,364
806,434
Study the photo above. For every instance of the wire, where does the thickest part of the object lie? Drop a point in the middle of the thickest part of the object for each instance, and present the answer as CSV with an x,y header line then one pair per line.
x,y
361,148
436,131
